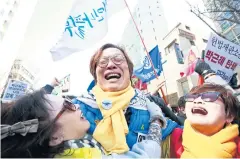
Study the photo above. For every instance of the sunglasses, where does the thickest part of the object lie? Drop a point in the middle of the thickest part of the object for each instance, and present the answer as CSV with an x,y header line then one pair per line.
x,y
67,105
117,60
206,96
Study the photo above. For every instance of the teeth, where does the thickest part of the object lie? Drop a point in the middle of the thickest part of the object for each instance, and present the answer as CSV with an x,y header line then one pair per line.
x,y
110,75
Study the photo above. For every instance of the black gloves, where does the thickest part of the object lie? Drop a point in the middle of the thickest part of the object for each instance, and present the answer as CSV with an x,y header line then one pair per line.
x,y
234,81
203,69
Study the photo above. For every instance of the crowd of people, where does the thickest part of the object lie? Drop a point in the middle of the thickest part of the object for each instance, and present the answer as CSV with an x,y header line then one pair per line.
x,y
115,120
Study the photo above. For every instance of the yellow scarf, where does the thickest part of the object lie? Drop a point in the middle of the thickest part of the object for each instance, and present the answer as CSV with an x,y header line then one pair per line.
x,y
220,145
112,129
83,153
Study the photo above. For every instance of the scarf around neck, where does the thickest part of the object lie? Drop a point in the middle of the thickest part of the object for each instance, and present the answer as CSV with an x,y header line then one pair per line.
x,y
86,147
112,129
219,145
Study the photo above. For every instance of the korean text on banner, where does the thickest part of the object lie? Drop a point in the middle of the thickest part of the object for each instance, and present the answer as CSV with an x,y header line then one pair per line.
x,y
15,89
223,56
86,25
146,72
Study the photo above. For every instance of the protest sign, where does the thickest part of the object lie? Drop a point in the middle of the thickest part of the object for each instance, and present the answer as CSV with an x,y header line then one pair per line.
x,y
65,83
14,90
63,87
223,56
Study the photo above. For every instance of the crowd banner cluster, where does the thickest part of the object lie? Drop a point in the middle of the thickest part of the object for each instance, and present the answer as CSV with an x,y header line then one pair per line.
x,y
223,56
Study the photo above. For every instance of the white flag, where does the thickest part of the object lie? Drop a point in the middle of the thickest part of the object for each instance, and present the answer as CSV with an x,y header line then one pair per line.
x,y
86,25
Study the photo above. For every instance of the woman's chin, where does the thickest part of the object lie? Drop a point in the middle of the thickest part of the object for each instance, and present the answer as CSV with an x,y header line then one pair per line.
x,y
197,121
113,87
84,128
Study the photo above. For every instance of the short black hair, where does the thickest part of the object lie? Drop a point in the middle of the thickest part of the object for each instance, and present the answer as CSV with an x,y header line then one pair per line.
x,y
33,145
181,102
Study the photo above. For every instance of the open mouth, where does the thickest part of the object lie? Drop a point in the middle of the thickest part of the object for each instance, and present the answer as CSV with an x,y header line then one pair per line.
x,y
199,110
113,76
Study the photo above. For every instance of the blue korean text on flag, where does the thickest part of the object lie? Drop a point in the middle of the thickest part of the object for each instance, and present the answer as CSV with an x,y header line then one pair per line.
x,y
145,72
86,25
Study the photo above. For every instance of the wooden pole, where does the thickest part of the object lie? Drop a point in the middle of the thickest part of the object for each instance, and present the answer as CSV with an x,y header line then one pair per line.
x,y
163,95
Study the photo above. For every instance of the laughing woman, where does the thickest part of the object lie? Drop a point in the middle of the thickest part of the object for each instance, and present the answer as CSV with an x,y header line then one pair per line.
x,y
209,131
46,126
118,113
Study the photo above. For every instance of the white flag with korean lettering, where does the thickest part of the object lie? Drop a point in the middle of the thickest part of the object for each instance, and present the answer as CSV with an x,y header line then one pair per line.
x,y
86,25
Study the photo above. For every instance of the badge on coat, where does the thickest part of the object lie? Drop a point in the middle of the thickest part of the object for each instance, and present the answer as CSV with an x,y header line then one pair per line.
x,y
107,104
141,137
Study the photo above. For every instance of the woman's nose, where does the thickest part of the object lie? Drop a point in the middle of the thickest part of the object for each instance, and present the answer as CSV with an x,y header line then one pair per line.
x,y
77,106
198,100
111,65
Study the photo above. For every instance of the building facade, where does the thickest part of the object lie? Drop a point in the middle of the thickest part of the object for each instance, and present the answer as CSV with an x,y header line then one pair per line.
x,y
27,36
7,10
14,17
174,45
152,25
21,72
177,44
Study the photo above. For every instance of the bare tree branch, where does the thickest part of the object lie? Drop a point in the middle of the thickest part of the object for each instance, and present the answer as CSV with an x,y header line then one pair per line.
x,y
205,22
229,20
220,10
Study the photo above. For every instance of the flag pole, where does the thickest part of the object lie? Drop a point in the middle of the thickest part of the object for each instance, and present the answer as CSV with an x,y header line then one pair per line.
x,y
200,78
149,58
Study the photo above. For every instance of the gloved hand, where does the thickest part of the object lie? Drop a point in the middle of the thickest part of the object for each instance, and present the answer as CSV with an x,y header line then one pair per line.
x,y
55,82
156,113
202,68
234,81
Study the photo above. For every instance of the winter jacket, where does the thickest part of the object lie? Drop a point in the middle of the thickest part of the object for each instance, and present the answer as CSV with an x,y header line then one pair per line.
x,y
167,112
137,115
181,116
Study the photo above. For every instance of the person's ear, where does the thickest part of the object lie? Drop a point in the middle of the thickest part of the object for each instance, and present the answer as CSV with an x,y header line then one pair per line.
x,y
56,139
229,119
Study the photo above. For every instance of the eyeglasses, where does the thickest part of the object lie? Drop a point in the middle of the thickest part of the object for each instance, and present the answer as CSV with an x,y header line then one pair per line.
x,y
67,105
206,96
117,60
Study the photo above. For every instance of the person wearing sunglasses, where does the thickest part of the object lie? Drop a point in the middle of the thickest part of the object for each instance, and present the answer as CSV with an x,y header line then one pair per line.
x,y
40,125
208,130
118,113
210,76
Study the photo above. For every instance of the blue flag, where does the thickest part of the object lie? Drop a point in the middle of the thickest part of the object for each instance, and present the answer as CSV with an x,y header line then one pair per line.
x,y
145,72
91,85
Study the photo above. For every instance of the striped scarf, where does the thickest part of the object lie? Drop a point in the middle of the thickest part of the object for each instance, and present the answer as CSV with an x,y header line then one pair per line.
x,y
87,141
